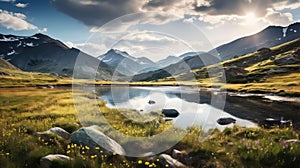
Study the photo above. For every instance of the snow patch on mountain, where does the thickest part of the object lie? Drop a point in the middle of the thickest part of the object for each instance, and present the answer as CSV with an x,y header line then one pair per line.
x,y
104,60
29,44
12,52
284,30
33,37
9,39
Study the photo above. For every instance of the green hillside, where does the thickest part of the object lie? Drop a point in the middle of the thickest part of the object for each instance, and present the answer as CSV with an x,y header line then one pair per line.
x,y
273,70
10,76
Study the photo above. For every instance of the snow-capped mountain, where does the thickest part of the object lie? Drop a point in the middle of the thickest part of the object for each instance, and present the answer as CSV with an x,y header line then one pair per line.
x,y
129,65
190,54
40,53
269,37
125,63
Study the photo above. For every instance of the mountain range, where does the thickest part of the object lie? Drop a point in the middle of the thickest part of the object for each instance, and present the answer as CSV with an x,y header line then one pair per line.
x,y
41,53
129,65
269,37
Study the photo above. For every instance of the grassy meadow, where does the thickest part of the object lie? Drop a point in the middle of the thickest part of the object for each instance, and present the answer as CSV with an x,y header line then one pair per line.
x,y
24,111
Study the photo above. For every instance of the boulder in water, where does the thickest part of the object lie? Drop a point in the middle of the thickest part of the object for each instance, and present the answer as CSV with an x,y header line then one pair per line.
x,y
151,102
172,113
226,121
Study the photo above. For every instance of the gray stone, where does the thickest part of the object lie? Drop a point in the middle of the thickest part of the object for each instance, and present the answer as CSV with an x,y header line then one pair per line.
x,y
167,159
287,59
57,131
47,161
92,137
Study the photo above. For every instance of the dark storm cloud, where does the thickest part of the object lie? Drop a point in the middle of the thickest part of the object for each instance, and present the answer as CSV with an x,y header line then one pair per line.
x,y
96,12
160,3
238,7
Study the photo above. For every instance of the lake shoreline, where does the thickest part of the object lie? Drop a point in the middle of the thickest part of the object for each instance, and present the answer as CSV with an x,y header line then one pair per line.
x,y
229,90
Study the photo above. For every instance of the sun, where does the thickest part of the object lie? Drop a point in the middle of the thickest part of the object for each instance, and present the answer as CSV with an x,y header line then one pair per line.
x,y
250,15
250,18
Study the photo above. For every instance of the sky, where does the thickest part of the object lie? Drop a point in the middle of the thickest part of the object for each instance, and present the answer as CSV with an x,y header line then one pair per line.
x,y
149,28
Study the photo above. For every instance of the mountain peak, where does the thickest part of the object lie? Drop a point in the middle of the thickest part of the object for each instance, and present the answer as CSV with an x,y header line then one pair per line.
x,y
118,52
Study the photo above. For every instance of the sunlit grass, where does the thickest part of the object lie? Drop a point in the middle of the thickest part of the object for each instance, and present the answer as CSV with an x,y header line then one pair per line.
x,y
24,111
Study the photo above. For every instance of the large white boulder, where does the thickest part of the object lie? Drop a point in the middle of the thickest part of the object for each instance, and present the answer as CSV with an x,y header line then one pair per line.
x,y
92,137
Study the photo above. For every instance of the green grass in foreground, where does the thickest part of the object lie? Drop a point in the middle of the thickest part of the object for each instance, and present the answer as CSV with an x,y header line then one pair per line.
x,y
27,110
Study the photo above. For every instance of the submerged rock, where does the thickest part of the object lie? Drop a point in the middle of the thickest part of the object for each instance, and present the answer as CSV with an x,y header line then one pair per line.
x,y
47,161
271,122
172,113
92,137
226,121
151,102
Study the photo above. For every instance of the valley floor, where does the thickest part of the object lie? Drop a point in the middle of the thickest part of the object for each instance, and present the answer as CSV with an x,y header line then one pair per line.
x,y
25,111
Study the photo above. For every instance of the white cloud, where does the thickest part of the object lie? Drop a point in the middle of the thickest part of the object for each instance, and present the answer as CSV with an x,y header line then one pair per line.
x,y
277,18
235,17
90,48
148,36
21,5
43,30
127,22
15,21
7,0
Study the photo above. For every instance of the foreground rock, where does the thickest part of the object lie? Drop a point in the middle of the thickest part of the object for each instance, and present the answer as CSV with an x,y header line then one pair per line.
x,y
288,59
92,137
167,159
49,160
181,156
226,121
57,131
172,113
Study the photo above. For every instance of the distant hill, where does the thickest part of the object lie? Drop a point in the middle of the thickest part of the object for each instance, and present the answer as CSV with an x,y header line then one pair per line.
x,y
275,70
185,65
6,65
269,37
40,53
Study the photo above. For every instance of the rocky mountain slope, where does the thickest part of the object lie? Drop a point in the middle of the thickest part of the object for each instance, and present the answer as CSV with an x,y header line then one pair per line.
x,y
125,63
275,70
269,37
40,53
129,65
